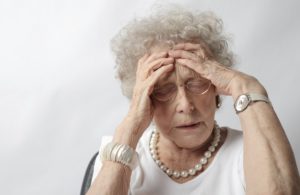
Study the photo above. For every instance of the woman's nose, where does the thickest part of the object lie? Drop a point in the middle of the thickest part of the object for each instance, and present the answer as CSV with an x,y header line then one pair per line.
x,y
183,102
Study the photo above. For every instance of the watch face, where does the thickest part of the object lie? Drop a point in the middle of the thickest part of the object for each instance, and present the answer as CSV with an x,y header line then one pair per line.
x,y
242,103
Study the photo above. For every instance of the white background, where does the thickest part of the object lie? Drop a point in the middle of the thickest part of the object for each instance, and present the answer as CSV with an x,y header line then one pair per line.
x,y
58,94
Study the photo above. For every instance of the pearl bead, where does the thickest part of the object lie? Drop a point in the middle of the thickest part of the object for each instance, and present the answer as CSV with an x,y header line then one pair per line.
x,y
184,174
152,151
176,174
169,172
154,156
211,148
207,154
154,137
163,167
192,171
158,162
198,166
203,160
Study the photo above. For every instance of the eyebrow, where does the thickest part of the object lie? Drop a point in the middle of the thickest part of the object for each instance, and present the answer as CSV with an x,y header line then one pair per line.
x,y
168,78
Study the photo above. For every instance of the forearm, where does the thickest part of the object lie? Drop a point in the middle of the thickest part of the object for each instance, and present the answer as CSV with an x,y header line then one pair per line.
x,y
268,158
269,162
114,178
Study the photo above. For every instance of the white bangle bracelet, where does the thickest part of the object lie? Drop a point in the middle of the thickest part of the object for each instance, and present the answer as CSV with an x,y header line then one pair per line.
x,y
120,153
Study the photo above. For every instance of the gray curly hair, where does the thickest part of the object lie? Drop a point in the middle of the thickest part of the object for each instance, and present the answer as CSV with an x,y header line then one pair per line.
x,y
171,25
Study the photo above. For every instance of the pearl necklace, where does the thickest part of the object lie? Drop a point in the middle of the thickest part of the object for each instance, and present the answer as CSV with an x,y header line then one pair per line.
x,y
183,173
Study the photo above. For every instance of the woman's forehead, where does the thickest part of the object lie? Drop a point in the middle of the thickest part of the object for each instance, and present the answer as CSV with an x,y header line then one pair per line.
x,y
184,72
179,73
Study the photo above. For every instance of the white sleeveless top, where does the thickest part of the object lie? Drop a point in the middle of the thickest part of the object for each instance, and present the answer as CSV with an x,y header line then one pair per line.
x,y
224,176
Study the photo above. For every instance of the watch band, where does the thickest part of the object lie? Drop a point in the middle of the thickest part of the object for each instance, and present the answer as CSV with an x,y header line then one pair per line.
x,y
258,97
244,100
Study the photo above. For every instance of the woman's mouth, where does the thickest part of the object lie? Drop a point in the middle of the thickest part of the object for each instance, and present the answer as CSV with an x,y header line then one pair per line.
x,y
189,126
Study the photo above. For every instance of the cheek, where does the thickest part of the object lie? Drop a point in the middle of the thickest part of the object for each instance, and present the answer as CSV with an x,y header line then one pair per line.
x,y
206,105
163,115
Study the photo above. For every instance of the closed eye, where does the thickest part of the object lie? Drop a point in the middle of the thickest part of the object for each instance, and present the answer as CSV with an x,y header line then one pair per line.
x,y
167,88
198,86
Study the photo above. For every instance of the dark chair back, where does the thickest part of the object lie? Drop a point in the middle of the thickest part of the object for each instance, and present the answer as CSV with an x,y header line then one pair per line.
x,y
87,180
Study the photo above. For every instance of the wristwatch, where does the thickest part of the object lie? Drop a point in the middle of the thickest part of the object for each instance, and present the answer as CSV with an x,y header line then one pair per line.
x,y
243,101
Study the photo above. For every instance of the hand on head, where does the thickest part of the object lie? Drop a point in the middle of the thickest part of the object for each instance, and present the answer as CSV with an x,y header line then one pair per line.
x,y
149,69
199,58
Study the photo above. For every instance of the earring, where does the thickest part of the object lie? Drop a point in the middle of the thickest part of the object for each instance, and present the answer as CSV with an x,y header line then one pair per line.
x,y
218,101
219,104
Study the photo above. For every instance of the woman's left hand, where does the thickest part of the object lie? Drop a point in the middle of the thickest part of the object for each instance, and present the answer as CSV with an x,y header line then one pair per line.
x,y
226,80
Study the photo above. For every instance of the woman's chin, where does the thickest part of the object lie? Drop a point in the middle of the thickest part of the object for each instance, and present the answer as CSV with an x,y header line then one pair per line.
x,y
191,137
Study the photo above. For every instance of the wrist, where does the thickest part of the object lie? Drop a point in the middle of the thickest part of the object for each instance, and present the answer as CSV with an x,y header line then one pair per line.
x,y
247,84
243,101
128,132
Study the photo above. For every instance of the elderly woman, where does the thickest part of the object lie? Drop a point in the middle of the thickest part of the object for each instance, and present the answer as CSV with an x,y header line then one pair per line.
x,y
173,66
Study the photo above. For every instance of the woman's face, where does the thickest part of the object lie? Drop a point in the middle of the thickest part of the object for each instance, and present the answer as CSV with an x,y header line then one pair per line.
x,y
188,119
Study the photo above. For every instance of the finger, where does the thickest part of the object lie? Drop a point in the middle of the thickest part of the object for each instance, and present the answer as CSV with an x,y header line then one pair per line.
x,y
197,67
183,54
155,56
201,48
152,80
157,64
160,62
148,58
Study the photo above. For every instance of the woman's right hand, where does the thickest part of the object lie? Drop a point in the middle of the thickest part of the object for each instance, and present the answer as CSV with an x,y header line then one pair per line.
x,y
149,69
